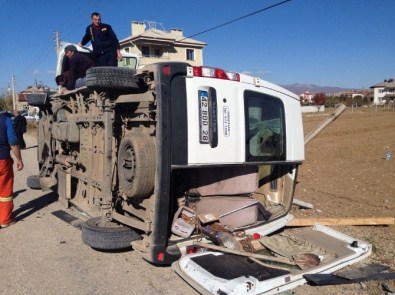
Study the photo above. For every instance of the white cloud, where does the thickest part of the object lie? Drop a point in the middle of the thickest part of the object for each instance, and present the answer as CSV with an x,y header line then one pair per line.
x,y
260,73
36,72
246,72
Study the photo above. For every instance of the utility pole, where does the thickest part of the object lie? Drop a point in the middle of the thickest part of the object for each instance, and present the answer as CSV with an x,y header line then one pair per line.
x,y
13,91
57,42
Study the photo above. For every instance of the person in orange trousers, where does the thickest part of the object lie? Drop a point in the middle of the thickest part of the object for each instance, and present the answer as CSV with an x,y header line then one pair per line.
x,y
8,141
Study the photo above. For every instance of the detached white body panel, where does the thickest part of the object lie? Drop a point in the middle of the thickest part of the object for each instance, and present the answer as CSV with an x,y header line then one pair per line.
x,y
207,276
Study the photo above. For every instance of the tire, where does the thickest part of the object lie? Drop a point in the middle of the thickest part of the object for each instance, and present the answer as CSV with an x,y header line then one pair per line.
x,y
115,237
33,182
136,165
37,99
111,78
43,141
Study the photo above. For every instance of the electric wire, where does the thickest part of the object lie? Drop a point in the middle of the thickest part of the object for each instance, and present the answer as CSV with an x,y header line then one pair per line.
x,y
82,11
47,49
237,19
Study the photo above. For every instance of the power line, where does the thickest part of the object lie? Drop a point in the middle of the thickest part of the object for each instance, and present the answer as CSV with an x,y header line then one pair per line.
x,y
237,19
48,47
43,56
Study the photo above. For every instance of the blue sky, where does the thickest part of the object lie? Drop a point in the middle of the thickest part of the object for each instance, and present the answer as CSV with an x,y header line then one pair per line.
x,y
343,43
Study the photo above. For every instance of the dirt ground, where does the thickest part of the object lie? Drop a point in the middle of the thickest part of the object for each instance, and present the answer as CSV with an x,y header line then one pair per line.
x,y
345,174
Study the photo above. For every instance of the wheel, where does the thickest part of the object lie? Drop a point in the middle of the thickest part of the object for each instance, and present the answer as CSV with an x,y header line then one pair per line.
x,y
111,237
111,78
44,140
136,165
33,182
37,99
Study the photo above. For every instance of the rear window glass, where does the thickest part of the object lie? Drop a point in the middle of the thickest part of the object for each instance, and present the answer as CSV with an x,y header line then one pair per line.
x,y
265,132
128,62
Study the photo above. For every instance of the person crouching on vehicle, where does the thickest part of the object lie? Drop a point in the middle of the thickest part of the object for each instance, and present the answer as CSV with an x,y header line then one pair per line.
x,y
79,64
61,80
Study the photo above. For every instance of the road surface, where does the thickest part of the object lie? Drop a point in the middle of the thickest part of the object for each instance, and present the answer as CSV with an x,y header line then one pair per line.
x,y
42,254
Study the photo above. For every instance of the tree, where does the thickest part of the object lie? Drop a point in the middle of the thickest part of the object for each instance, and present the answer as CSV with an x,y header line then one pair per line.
x,y
358,100
6,103
343,98
332,101
319,98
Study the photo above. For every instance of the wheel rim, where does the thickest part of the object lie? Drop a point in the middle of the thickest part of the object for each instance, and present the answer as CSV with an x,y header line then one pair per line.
x,y
129,164
107,224
136,165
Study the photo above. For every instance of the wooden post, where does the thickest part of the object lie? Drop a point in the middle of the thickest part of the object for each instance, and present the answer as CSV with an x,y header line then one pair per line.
x,y
342,221
325,123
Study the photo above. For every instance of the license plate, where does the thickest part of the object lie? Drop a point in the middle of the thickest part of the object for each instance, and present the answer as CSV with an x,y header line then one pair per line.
x,y
203,117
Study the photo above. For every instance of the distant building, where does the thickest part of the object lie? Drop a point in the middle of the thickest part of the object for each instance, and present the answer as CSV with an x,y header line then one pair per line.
x,y
154,44
383,92
354,93
306,97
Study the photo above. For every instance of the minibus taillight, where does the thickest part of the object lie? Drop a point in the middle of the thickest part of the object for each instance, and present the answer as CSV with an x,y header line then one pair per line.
x,y
215,73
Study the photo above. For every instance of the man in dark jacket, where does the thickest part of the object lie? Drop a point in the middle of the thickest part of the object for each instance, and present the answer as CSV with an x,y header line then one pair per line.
x,y
105,43
78,65
8,140
20,128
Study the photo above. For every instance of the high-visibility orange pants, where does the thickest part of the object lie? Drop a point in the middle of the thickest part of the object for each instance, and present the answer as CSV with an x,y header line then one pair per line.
x,y
6,190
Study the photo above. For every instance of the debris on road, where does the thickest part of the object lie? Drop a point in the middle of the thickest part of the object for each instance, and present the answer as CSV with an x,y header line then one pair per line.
x,y
342,221
371,272
302,204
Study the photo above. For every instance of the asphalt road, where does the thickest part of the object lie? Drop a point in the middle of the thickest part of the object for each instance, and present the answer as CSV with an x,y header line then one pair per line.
x,y
42,254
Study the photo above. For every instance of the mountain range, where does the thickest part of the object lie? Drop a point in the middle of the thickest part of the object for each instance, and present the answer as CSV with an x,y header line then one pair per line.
x,y
299,88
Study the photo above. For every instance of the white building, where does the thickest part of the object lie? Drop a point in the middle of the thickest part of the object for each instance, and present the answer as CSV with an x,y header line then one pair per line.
x,y
383,92
306,96
153,44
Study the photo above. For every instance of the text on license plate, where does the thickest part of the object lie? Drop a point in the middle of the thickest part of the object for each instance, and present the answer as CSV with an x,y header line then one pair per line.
x,y
203,116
